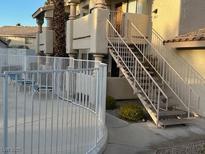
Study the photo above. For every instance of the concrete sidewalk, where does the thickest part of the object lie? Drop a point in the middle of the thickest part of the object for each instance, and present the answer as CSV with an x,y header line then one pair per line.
x,y
132,138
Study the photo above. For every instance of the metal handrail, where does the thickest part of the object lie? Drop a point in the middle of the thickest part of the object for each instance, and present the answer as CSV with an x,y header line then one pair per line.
x,y
155,49
165,64
159,36
135,56
170,52
140,66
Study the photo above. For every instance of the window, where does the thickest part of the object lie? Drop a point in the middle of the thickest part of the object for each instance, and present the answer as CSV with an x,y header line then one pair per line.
x,y
28,40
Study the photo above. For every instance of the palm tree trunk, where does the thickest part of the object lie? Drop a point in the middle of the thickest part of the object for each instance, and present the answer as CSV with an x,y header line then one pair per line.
x,y
59,45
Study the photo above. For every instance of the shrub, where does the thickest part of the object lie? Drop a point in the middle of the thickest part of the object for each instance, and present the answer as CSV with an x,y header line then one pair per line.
x,y
110,103
132,112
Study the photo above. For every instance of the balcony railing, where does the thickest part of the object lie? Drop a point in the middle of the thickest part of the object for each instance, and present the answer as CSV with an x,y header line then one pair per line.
x,y
51,105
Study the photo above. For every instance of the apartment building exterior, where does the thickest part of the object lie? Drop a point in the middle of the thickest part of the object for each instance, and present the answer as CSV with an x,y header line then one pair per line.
x,y
44,20
19,36
129,36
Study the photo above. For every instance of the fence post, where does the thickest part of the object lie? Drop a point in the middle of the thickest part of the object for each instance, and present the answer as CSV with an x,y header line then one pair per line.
x,y
189,103
5,114
97,102
25,63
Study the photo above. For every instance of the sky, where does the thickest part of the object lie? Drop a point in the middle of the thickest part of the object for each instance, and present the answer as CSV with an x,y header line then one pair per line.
x,y
18,11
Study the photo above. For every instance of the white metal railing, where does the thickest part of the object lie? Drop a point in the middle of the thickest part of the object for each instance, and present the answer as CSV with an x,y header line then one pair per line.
x,y
186,71
185,93
140,77
57,108
27,63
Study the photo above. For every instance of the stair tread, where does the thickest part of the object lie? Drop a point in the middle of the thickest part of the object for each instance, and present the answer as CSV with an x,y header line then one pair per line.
x,y
169,122
172,113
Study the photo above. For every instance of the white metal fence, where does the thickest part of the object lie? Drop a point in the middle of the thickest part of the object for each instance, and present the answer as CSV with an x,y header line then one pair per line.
x,y
51,105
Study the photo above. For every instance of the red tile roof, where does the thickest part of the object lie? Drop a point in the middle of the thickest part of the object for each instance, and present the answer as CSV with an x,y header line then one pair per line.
x,y
198,35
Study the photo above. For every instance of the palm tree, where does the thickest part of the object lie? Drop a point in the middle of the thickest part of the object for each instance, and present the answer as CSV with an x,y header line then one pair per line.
x,y
59,45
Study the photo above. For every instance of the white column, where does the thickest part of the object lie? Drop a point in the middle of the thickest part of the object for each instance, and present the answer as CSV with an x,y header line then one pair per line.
x,y
71,20
49,23
39,22
72,11
98,57
100,4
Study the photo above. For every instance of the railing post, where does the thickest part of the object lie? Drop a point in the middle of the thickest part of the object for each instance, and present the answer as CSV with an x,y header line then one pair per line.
x,y
163,70
25,63
118,43
198,104
97,100
158,106
189,103
163,73
135,74
5,114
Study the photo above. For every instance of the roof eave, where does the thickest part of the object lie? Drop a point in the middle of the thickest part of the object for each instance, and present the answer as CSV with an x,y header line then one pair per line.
x,y
42,10
38,12
187,44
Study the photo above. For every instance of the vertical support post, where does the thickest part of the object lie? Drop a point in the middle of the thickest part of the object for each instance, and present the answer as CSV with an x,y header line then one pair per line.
x,y
25,63
158,105
135,74
5,114
163,73
97,101
189,103
72,17
198,104
71,60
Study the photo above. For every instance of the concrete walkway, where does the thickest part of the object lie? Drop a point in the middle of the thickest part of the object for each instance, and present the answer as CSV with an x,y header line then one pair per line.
x,y
132,138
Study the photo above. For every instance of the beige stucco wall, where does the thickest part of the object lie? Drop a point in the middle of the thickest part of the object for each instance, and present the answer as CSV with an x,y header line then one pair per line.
x,y
119,88
176,17
46,41
132,6
166,21
21,41
195,57
89,32
139,20
192,15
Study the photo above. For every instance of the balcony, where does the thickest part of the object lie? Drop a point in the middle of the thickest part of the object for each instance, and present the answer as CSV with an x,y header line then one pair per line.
x,y
121,22
52,105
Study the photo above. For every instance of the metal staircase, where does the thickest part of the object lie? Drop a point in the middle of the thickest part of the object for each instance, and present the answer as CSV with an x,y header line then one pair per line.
x,y
158,97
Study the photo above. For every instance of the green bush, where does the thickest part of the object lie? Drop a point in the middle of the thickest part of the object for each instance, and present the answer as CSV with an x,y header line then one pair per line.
x,y
132,112
110,103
